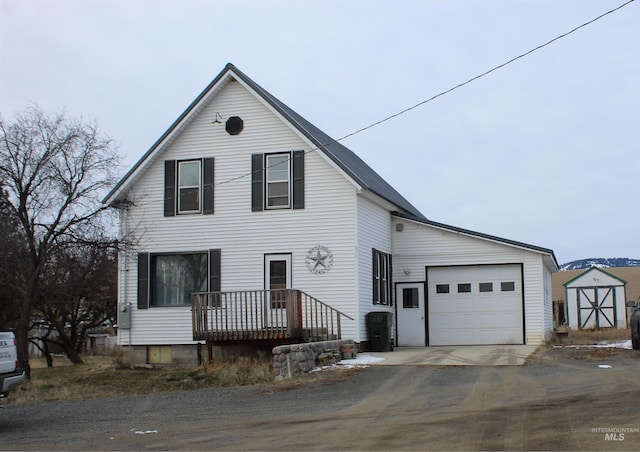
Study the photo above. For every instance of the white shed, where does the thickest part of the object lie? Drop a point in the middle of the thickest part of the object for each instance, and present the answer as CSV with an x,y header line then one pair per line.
x,y
596,299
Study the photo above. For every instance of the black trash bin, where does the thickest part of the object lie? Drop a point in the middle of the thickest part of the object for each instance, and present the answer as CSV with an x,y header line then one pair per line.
x,y
379,326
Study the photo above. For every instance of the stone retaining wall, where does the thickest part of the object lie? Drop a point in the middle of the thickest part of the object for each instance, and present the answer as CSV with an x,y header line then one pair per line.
x,y
290,360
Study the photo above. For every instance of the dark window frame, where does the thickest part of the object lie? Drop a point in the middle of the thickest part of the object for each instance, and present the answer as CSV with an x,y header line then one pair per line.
x,y
146,278
464,287
154,282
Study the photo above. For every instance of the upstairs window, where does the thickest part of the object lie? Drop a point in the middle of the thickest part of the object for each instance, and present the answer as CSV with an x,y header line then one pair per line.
x,y
277,181
188,187
278,171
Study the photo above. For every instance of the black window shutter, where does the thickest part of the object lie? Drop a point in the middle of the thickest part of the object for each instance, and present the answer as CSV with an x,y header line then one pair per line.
x,y
390,280
298,179
257,175
169,188
214,270
207,186
143,280
376,277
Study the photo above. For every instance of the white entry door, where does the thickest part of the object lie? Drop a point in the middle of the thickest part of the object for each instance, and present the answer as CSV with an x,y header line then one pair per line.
x,y
410,312
277,276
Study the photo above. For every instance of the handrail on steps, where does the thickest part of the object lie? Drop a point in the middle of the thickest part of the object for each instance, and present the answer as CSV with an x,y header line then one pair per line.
x,y
264,315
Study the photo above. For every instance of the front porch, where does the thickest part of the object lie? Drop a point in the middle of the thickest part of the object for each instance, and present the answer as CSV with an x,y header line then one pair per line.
x,y
283,316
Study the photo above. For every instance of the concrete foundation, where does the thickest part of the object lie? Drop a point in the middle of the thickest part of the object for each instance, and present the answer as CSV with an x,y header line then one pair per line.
x,y
162,355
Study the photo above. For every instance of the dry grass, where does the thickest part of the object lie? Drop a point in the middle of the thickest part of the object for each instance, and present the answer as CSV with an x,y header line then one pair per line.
x,y
591,337
109,376
106,376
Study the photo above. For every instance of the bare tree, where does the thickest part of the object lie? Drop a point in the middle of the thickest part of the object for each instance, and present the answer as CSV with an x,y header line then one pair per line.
x,y
78,295
12,257
55,169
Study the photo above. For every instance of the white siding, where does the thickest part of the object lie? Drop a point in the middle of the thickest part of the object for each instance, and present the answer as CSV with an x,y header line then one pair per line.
x,y
374,231
419,246
243,236
534,296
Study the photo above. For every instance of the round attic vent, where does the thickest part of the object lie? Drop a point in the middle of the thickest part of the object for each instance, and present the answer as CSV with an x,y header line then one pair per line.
x,y
234,125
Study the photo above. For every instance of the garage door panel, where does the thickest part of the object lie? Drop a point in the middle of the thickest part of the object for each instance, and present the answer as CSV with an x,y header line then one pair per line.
x,y
483,337
475,318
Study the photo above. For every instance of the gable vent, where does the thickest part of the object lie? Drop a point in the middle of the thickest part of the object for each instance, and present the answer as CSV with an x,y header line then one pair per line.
x,y
234,125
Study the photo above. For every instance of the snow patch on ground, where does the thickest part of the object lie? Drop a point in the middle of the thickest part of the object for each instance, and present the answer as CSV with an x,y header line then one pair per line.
x,y
621,344
359,361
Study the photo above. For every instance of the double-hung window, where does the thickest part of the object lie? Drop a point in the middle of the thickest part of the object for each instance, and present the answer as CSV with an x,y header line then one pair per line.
x,y
189,186
278,189
277,181
381,278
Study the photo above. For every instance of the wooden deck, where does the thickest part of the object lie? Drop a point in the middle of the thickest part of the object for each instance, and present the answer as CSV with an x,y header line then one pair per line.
x,y
287,315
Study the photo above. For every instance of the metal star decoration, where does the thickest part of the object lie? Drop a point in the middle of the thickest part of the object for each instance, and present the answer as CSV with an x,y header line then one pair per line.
x,y
319,259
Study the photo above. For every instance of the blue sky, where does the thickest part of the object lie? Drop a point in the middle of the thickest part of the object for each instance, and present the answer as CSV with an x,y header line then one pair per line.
x,y
545,150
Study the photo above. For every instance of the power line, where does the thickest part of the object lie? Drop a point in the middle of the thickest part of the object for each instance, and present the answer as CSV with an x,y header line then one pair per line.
x,y
460,85
500,66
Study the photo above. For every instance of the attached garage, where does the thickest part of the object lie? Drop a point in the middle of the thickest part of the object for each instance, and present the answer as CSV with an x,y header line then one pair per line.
x,y
454,286
475,305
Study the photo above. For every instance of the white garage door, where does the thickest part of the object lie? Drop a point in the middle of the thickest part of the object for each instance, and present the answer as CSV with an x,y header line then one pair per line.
x,y
475,305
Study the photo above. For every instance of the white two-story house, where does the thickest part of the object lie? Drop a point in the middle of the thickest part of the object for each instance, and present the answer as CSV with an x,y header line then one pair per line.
x,y
242,198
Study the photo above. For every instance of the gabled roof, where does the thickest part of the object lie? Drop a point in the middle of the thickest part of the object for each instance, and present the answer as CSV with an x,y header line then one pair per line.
x,y
344,158
492,238
595,269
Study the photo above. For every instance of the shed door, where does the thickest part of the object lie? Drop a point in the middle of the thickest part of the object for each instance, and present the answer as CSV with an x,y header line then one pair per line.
x,y
596,307
475,305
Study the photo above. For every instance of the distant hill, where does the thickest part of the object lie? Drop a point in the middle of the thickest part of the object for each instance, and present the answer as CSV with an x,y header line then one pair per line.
x,y
600,262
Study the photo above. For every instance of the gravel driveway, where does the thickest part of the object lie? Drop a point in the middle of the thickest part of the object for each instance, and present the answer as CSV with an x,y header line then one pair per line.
x,y
565,399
